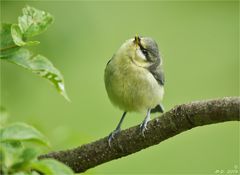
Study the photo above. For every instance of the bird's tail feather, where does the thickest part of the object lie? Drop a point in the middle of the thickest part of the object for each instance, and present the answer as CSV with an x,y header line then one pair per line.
x,y
158,108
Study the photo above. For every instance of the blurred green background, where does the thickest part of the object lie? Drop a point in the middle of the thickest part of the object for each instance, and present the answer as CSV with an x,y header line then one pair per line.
x,y
199,42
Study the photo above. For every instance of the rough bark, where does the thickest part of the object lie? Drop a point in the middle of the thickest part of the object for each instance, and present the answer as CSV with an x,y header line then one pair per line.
x,y
181,118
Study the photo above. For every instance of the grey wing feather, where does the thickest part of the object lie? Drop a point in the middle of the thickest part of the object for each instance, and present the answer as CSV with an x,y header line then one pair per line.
x,y
158,74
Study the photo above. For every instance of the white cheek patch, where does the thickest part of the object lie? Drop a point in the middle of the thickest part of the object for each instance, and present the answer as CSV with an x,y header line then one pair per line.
x,y
140,55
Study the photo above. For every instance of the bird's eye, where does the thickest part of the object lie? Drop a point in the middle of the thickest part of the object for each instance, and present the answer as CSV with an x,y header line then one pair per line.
x,y
145,52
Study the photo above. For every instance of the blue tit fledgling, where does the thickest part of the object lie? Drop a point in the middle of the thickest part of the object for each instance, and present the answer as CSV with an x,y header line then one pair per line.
x,y
134,79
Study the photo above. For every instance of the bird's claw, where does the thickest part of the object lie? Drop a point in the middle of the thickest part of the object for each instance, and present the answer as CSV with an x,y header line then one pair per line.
x,y
143,128
112,135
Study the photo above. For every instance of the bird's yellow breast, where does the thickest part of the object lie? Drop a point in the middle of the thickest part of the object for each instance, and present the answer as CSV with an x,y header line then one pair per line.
x,y
131,87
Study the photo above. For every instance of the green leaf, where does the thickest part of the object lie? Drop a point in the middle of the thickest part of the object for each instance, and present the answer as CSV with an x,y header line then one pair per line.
x,y
41,66
28,154
51,167
22,132
34,21
18,37
7,45
12,150
13,145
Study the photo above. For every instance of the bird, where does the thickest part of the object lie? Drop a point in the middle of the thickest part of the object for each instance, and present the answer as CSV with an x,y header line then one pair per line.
x,y
134,80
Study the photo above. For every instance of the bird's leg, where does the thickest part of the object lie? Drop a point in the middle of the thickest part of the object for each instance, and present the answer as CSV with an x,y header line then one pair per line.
x,y
117,130
143,125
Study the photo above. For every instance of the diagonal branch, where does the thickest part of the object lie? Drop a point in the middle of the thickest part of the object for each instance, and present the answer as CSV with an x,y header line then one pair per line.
x,y
179,119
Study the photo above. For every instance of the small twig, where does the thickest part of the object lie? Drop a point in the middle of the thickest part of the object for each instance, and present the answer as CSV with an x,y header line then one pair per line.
x,y
180,118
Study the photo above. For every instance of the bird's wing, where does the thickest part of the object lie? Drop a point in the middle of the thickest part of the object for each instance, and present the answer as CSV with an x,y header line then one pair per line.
x,y
110,59
158,74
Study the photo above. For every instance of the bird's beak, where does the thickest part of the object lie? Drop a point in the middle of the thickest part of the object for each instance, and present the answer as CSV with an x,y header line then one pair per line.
x,y
137,40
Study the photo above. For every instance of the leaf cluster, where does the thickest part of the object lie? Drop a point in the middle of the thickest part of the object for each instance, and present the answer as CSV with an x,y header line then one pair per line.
x,y
16,41
20,146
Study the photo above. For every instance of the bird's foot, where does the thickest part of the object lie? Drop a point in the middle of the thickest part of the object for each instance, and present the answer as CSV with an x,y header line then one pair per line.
x,y
143,127
112,135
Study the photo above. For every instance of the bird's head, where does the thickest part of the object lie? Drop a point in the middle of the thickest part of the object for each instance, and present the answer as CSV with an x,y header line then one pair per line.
x,y
143,51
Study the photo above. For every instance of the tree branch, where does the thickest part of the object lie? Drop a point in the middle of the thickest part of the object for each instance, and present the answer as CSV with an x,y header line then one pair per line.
x,y
181,118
